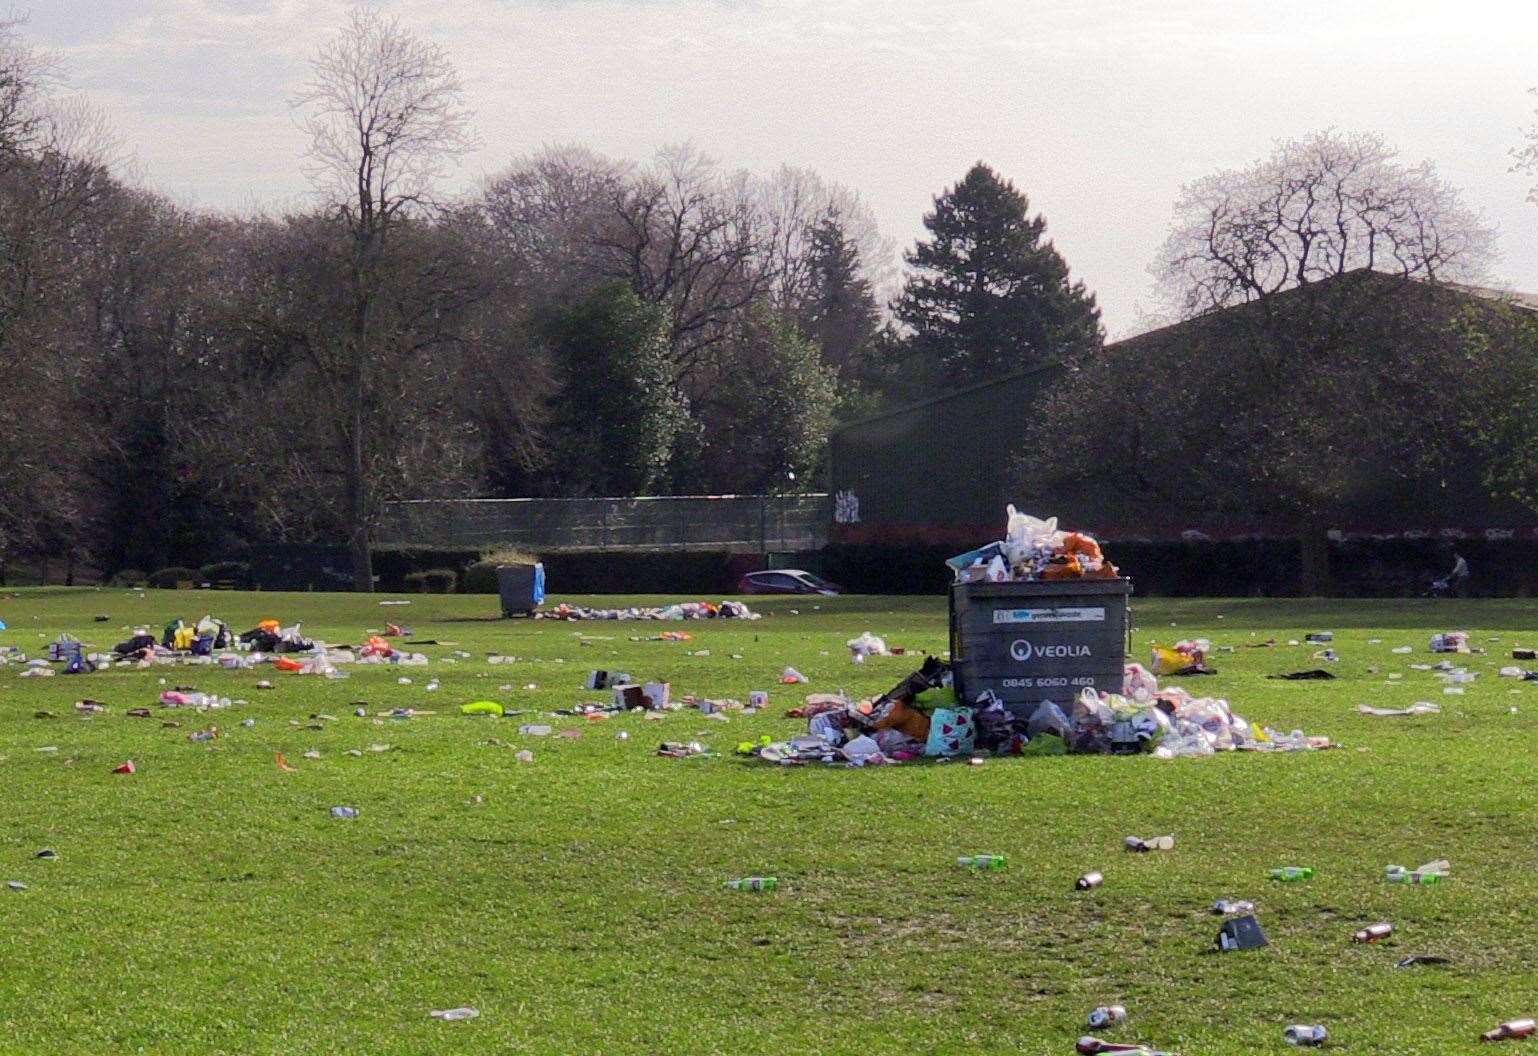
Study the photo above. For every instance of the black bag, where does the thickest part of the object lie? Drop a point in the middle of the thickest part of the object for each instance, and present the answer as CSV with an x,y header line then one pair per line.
x,y
135,644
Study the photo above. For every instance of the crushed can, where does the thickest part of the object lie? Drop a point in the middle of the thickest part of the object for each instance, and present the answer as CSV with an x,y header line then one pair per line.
x,y
1088,880
1107,1015
1224,907
1305,1034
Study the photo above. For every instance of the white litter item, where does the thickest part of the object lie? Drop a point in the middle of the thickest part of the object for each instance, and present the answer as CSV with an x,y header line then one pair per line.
x,y
861,750
865,645
790,677
453,1015
1420,707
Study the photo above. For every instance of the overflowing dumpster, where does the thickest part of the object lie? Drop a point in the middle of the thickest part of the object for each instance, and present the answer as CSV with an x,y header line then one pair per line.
x,y
522,588
1034,640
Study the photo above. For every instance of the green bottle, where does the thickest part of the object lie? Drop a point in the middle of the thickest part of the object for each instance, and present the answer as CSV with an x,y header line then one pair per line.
x,y
982,861
754,883
1292,873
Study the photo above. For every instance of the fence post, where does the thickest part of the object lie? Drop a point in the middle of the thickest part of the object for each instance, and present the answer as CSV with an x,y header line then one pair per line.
x,y
603,521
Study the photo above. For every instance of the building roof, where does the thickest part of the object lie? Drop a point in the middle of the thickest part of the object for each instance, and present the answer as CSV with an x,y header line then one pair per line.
x,y
1524,301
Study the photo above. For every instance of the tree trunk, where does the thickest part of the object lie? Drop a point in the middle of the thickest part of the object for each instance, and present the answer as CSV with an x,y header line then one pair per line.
x,y
357,505
1314,580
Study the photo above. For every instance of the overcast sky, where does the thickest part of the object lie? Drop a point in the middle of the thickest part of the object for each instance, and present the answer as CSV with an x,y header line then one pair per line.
x,y
1098,111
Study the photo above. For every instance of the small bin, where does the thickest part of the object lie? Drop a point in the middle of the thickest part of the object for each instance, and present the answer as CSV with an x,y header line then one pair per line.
x,y
522,588
1035,641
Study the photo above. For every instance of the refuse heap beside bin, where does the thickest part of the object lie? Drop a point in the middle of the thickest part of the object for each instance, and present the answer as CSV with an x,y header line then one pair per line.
x,y
1030,641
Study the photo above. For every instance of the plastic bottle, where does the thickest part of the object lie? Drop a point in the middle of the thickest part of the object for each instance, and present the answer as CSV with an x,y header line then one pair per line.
x,y
1107,1015
535,730
453,1015
754,883
1290,874
1088,880
1305,1034
982,861
1512,1028
344,812
1373,932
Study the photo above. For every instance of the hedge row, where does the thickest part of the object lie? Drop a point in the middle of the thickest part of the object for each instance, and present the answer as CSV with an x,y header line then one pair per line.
x,y
1258,568
704,573
1247,568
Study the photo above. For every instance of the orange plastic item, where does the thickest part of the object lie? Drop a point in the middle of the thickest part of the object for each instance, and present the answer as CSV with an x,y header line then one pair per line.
x,y
126,768
1079,543
283,764
1063,568
270,626
283,663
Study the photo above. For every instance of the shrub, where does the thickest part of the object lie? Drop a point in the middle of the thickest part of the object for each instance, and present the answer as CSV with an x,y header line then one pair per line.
x,y
237,572
432,581
508,556
480,578
167,578
127,577
393,564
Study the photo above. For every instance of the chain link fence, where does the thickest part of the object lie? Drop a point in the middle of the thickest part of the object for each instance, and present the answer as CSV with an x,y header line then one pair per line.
x,y
746,523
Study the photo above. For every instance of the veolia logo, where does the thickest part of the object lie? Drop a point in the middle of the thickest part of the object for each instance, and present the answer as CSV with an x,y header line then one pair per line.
x,y
1023,650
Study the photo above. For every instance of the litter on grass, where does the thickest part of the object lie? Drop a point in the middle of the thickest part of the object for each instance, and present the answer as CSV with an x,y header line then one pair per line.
x,y
691,610
923,717
1420,707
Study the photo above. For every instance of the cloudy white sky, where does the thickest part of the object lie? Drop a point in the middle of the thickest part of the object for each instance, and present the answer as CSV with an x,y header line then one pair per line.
x,y
1098,110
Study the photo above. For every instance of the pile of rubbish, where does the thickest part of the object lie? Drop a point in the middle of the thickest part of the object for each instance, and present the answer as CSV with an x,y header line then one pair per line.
x,y
1452,642
689,610
922,716
1033,550
209,641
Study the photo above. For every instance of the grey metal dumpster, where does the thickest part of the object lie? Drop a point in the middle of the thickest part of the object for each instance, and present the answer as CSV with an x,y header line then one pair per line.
x,y
522,588
1030,642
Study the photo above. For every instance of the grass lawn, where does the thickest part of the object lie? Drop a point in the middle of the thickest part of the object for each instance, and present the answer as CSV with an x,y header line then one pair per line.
x,y
209,903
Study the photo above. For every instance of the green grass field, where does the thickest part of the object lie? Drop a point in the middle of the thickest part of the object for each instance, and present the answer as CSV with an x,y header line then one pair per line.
x,y
209,903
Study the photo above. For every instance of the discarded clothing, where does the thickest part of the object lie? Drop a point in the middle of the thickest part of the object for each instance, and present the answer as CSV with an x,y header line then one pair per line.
x,y
1318,674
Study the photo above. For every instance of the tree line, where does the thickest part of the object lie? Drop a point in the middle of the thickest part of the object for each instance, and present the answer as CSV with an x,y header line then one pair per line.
x,y
185,382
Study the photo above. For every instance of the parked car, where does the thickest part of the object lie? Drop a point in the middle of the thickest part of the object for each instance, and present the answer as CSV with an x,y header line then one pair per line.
x,y
786,581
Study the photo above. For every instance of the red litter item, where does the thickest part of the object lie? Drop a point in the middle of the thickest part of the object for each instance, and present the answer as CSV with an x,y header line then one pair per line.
x,y
126,768
1373,932
1512,1028
283,663
1089,1045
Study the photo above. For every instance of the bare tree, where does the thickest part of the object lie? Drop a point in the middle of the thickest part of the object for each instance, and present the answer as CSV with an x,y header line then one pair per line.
x,y
385,116
793,202
1316,283
688,238
547,209
1317,207
26,77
